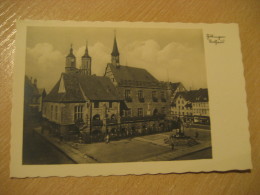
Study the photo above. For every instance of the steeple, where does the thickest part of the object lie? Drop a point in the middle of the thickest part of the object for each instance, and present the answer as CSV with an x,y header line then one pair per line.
x,y
70,61
115,53
86,62
86,55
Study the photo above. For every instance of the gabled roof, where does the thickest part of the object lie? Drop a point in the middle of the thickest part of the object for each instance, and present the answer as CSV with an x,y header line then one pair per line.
x,y
174,86
79,87
133,77
200,95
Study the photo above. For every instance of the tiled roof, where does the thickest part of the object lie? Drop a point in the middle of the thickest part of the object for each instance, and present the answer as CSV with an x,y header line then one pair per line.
x,y
79,86
133,77
200,95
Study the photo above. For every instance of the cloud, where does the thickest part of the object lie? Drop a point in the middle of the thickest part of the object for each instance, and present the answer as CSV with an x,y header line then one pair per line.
x,y
175,61
45,64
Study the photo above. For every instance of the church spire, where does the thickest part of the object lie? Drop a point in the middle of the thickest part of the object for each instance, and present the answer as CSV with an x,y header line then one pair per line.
x,y
86,62
86,55
115,53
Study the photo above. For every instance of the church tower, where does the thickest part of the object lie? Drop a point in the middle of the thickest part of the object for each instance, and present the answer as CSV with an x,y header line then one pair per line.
x,y
115,54
70,62
86,63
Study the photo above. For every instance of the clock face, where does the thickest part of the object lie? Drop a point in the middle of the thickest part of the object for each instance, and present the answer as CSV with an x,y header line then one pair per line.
x,y
72,60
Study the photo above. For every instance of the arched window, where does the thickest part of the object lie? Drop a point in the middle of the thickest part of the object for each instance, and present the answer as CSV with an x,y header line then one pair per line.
x,y
155,111
96,117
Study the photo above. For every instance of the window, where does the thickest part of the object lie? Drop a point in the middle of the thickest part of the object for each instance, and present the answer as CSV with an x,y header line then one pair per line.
x,y
45,109
56,112
163,110
140,111
129,112
140,96
162,95
51,111
96,104
110,104
78,112
163,99
154,96
128,95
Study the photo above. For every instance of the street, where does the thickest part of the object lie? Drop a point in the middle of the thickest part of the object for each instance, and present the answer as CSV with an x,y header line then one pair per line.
x,y
202,154
36,150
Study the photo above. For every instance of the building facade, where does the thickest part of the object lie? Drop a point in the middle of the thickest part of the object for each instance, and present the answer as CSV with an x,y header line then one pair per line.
x,y
192,106
33,97
147,101
126,100
79,97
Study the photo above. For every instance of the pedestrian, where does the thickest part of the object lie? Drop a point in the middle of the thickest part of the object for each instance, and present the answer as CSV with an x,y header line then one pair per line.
x,y
196,134
172,142
107,138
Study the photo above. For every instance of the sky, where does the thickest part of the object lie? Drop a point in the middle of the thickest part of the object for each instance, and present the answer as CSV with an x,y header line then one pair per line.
x,y
175,55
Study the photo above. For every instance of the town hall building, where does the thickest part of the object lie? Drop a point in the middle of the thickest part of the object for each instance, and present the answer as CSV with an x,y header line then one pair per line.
x,y
125,99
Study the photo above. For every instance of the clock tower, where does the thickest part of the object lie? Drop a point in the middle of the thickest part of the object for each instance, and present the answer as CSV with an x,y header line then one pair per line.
x,y
70,62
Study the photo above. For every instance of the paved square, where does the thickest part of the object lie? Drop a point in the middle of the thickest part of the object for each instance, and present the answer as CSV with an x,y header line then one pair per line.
x,y
122,151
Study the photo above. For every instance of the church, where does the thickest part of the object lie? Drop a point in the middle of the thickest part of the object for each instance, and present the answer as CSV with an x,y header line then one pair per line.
x,y
126,99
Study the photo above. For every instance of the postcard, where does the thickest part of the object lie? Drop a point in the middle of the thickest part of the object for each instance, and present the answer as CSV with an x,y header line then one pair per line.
x,y
118,98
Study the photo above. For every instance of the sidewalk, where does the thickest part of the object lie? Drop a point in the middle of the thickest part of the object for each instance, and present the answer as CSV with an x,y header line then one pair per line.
x,y
66,148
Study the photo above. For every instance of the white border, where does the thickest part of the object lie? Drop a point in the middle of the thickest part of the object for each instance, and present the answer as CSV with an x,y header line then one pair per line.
x,y
228,110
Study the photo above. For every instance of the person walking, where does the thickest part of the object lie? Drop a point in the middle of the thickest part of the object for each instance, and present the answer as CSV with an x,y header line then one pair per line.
x,y
172,142
107,139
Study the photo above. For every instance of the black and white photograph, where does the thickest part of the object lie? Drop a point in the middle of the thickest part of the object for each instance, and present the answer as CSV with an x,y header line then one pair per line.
x,y
118,98
107,95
